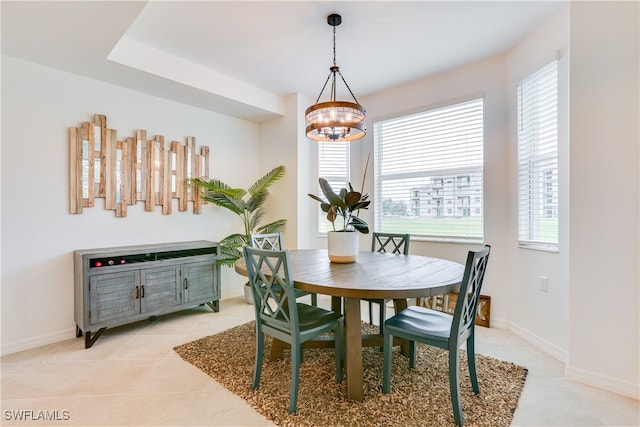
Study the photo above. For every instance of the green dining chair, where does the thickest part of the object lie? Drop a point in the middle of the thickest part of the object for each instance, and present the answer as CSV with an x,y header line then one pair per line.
x,y
273,241
279,315
442,330
392,243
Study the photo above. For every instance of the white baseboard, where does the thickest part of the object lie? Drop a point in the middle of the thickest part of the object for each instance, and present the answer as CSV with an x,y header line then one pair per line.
x,y
39,341
499,323
539,342
614,385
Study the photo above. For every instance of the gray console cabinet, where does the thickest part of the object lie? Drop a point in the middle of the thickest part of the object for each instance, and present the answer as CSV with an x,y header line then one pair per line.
x,y
120,285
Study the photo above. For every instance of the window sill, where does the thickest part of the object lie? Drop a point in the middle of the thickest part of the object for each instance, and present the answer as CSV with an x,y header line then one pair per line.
x,y
455,240
539,247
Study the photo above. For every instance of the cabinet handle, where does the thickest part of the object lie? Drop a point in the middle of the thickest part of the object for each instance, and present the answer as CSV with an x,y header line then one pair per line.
x,y
137,292
186,283
142,294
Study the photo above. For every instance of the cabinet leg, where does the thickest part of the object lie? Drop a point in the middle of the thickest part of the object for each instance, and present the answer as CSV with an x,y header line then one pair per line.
x,y
89,340
214,305
78,331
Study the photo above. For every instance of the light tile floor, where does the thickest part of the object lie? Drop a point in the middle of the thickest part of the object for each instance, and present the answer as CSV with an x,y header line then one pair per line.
x,y
131,376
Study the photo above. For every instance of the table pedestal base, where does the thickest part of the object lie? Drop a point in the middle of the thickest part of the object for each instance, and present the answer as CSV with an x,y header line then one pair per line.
x,y
355,340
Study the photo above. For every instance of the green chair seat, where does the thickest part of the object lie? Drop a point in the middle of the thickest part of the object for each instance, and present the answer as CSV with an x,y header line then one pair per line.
x,y
422,323
310,319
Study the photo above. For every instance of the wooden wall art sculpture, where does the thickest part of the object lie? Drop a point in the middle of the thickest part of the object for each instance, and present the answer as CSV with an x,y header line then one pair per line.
x,y
132,169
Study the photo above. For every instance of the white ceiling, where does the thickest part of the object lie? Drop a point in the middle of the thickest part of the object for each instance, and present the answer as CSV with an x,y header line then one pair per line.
x,y
240,57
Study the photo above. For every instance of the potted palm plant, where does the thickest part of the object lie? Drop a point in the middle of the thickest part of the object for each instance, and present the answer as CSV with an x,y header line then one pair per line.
x,y
248,205
343,207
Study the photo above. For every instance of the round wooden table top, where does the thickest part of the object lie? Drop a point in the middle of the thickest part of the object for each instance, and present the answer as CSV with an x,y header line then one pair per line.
x,y
373,275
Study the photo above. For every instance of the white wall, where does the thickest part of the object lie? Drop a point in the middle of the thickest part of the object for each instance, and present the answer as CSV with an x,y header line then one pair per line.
x,y
307,173
283,142
541,317
39,104
605,111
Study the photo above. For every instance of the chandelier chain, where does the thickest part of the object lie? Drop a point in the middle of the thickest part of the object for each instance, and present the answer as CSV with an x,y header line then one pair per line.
x,y
348,88
334,46
323,87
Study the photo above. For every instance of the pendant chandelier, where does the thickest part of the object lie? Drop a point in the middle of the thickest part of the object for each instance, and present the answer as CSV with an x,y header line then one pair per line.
x,y
335,121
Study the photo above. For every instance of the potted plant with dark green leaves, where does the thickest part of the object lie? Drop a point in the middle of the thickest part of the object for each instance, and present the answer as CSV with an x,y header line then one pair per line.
x,y
343,207
248,205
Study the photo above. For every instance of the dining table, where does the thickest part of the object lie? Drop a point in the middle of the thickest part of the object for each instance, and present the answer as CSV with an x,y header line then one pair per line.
x,y
373,275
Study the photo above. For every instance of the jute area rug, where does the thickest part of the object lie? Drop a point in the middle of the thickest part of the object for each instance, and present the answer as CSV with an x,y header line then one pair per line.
x,y
419,397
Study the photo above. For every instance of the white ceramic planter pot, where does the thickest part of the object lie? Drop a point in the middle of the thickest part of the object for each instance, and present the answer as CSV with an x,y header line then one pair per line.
x,y
248,294
342,246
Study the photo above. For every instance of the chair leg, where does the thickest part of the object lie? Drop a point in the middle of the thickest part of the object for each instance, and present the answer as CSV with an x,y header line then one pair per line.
x,y
370,313
257,370
382,318
471,361
386,364
383,312
339,346
454,384
295,374
336,304
412,354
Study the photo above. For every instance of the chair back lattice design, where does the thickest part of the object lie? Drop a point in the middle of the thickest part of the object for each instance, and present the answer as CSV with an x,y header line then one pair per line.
x,y
390,242
273,292
271,241
464,315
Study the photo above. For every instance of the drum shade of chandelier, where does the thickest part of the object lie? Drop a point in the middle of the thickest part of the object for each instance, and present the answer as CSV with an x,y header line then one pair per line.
x,y
335,121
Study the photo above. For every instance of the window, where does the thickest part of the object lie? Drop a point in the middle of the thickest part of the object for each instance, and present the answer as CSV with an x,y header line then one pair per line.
x,y
333,165
537,98
427,159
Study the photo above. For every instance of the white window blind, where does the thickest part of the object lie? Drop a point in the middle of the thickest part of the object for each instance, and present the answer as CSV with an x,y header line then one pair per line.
x,y
333,165
428,173
537,98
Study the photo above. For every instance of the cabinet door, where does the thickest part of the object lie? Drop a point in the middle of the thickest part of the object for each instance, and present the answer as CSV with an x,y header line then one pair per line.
x,y
199,282
113,296
161,288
